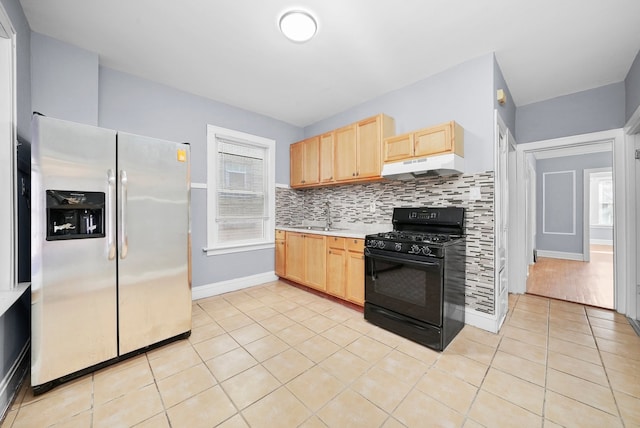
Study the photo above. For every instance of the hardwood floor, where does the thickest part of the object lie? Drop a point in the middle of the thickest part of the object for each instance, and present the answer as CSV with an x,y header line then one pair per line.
x,y
590,283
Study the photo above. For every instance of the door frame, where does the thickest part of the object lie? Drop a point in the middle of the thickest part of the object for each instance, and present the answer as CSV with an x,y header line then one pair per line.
x,y
620,148
632,138
8,152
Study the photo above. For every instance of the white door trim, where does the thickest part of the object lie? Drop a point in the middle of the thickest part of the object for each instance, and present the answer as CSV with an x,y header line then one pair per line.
x,y
8,204
620,148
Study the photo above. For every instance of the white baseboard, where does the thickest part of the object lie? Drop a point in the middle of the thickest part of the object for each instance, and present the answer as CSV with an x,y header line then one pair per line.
x,y
601,241
235,284
561,255
481,320
10,385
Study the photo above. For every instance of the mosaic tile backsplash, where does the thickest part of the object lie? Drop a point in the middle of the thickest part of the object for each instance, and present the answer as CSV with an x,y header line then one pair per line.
x,y
351,203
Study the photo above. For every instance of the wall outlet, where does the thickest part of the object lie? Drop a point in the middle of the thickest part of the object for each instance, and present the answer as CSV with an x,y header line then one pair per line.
x,y
474,193
372,207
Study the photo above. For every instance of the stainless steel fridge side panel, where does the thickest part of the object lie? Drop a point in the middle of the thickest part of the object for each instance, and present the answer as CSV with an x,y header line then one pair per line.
x,y
73,292
153,237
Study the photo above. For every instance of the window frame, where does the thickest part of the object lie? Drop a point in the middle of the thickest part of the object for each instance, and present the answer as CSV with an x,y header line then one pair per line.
x,y
268,241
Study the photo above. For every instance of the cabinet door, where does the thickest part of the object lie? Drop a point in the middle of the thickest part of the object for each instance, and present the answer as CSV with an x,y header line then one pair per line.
x,y
314,255
355,277
296,164
326,157
344,167
311,162
434,140
397,148
355,271
336,271
281,251
336,266
369,142
294,255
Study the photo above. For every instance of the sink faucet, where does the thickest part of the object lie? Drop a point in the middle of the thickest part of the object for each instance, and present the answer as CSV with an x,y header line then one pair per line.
x,y
327,212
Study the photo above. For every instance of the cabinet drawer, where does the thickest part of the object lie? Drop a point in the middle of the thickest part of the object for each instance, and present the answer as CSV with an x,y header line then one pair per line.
x,y
335,242
355,245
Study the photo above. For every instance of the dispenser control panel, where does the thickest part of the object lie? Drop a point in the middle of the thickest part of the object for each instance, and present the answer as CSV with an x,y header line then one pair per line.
x,y
74,215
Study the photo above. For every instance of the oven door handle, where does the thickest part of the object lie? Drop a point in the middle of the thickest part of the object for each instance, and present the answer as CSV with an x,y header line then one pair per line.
x,y
418,263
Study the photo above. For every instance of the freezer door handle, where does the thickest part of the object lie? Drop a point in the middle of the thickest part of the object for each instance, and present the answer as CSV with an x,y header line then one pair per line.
x,y
111,180
124,245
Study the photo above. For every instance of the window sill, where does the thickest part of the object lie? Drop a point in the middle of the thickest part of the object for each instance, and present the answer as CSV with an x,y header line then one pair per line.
x,y
9,297
238,248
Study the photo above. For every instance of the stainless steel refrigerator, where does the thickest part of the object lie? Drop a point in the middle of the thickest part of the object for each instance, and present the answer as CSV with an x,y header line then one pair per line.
x,y
110,247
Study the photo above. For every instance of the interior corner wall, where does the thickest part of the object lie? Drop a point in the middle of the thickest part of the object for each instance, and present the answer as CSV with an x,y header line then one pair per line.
x,y
557,198
462,93
132,104
507,110
64,80
632,88
593,110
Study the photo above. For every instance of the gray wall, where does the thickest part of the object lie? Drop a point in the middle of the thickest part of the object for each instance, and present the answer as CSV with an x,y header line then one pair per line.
x,y
15,327
632,88
64,80
136,105
463,93
507,110
593,110
558,198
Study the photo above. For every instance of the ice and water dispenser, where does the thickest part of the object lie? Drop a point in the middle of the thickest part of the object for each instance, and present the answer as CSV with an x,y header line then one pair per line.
x,y
74,215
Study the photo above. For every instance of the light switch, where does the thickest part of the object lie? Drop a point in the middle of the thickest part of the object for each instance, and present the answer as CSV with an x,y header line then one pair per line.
x,y
474,193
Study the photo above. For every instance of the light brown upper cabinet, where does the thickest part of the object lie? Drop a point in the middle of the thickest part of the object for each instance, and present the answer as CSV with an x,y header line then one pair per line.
x,y
434,140
326,157
358,148
348,154
304,159
344,166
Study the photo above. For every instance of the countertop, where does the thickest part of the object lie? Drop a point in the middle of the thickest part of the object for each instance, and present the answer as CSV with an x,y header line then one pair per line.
x,y
348,230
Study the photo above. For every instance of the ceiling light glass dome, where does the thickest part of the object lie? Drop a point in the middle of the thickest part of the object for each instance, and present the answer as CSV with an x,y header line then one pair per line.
x,y
298,26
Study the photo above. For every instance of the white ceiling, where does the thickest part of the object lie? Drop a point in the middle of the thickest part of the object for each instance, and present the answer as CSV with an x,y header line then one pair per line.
x,y
231,50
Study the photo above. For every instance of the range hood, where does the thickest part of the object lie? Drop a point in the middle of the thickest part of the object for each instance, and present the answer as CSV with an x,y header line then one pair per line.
x,y
432,165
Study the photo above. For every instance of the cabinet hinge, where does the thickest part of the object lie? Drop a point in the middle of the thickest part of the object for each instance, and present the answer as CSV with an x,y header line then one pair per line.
x,y
637,153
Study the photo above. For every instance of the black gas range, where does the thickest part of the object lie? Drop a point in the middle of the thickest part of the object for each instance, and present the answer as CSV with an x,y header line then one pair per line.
x,y
415,275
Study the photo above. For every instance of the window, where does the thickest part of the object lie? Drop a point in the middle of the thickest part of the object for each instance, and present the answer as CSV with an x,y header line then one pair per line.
x,y
601,209
241,191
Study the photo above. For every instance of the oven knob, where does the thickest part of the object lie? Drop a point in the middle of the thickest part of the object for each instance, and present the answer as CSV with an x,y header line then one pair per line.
x,y
414,249
426,251
398,246
381,244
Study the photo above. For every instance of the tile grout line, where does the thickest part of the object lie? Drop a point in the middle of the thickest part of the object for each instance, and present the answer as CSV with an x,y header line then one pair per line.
x,y
606,373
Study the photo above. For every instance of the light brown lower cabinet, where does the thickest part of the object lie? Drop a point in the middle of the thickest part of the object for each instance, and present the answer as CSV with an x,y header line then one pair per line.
x,y
281,253
336,266
331,264
354,290
305,259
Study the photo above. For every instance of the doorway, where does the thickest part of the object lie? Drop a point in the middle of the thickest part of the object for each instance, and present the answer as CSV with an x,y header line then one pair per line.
x,y
562,261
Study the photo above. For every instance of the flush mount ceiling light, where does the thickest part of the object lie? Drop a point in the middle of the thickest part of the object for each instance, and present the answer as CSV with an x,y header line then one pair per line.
x,y
298,26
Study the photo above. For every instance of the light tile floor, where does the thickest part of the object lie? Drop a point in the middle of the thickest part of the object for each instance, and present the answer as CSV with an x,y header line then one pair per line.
x,y
278,356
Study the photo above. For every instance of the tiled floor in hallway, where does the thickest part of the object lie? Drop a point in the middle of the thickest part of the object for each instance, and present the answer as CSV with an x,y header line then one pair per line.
x,y
277,356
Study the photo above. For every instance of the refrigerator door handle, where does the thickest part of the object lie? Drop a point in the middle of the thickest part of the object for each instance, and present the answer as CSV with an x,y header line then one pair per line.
x,y
111,180
124,244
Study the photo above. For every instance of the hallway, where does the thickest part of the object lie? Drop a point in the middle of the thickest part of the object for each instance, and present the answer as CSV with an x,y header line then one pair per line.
x,y
589,283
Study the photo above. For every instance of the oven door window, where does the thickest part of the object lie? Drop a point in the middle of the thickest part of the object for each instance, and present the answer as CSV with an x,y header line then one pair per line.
x,y
408,287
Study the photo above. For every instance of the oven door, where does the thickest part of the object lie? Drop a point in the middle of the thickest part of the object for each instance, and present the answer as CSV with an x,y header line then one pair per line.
x,y
408,285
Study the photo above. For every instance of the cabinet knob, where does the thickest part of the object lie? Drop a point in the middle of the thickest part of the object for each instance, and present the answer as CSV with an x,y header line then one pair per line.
x,y
353,175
